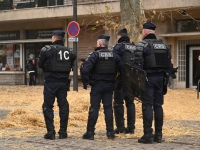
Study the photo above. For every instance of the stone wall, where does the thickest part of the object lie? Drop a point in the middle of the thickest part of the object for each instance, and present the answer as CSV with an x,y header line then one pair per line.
x,y
12,79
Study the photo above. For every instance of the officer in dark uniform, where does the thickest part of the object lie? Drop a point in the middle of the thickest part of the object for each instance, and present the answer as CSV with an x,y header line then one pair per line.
x,y
153,56
56,60
119,95
99,72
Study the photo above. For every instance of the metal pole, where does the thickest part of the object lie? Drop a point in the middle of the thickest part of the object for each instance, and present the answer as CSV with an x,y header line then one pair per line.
x,y
198,89
75,69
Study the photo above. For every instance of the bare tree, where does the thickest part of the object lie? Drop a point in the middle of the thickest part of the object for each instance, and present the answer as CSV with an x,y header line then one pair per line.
x,y
132,17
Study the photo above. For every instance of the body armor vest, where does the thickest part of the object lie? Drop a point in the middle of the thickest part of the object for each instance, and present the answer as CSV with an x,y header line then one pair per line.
x,y
157,57
61,61
105,63
128,56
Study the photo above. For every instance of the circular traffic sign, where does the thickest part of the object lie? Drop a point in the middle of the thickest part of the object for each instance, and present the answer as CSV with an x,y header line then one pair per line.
x,y
73,29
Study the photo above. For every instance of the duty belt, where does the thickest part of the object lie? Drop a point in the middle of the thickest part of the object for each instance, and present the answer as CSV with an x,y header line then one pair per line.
x,y
155,74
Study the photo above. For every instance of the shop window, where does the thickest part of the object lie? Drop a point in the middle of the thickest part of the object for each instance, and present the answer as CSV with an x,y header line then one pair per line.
x,y
10,57
188,26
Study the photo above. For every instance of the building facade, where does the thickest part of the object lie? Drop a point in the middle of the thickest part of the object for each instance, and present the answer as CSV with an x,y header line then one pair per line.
x,y
26,26
178,24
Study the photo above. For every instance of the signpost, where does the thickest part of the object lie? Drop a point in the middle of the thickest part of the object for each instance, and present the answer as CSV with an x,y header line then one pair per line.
x,y
73,39
73,29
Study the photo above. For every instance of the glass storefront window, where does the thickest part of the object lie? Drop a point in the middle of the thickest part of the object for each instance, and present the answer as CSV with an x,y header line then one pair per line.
x,y
10,57
188,26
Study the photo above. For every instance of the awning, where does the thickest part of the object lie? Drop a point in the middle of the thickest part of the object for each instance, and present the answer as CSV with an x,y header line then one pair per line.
x,y
25,41
180,34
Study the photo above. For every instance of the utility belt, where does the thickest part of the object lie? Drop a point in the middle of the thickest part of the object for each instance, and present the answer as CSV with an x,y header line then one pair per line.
x,y
56,80
96,81
155,74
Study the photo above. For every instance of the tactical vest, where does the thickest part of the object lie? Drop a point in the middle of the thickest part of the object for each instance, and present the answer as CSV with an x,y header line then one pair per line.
x,y
61,61
105,63
157,57
128,56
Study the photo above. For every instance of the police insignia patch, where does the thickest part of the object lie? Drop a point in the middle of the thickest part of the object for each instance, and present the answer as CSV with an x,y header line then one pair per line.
x,y
130,47
159,46
105,54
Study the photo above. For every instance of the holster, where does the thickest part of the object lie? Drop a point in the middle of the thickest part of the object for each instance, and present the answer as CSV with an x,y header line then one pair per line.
x,y
165,82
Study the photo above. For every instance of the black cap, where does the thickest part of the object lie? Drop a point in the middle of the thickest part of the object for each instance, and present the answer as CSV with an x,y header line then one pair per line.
x,y
124,30
104,36
149,25
59,33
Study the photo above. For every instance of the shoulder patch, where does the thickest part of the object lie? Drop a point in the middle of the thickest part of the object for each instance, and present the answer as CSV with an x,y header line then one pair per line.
x,y
143,43
112,47
48,47
88,56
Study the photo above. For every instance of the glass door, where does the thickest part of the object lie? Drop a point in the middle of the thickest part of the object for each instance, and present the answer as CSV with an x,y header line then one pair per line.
x,y
32,51
194,53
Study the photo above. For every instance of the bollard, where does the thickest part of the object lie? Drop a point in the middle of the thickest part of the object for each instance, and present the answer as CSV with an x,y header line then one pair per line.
x,y
198,89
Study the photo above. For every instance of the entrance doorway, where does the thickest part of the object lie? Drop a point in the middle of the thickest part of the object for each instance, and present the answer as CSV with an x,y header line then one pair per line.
x,y
32,51
193,60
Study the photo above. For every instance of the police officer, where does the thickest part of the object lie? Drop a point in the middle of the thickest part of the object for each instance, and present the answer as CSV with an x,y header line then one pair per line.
x,y
119,95
99,71
56,62
153,56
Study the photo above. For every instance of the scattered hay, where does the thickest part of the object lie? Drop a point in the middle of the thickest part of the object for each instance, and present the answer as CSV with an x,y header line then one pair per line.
x,y
23,118
25,104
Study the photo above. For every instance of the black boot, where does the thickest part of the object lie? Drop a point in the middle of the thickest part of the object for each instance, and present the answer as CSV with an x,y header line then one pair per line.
x,y
147,113
119,118
130,118
62,134
90,126
146,139
109,122
88,135
110,135
158,137
64,115
158,118
129,130
49,124
119,130
50,135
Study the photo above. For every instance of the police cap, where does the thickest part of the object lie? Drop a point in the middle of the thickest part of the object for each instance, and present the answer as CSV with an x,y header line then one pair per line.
x,y
59,33
149,25
124,30
104,36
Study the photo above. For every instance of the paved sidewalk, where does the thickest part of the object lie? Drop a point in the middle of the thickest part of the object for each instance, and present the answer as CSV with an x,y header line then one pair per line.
x,y
74,143
121,142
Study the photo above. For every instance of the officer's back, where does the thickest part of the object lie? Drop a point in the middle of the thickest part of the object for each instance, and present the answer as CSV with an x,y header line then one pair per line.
x,y
99,65
56,60
99,71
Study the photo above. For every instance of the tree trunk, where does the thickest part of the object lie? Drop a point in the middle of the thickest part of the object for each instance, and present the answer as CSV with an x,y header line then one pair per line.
x,y
132,18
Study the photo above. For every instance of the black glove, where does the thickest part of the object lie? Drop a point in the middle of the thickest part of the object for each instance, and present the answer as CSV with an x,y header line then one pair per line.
x,y
91,82
118,85
68,84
